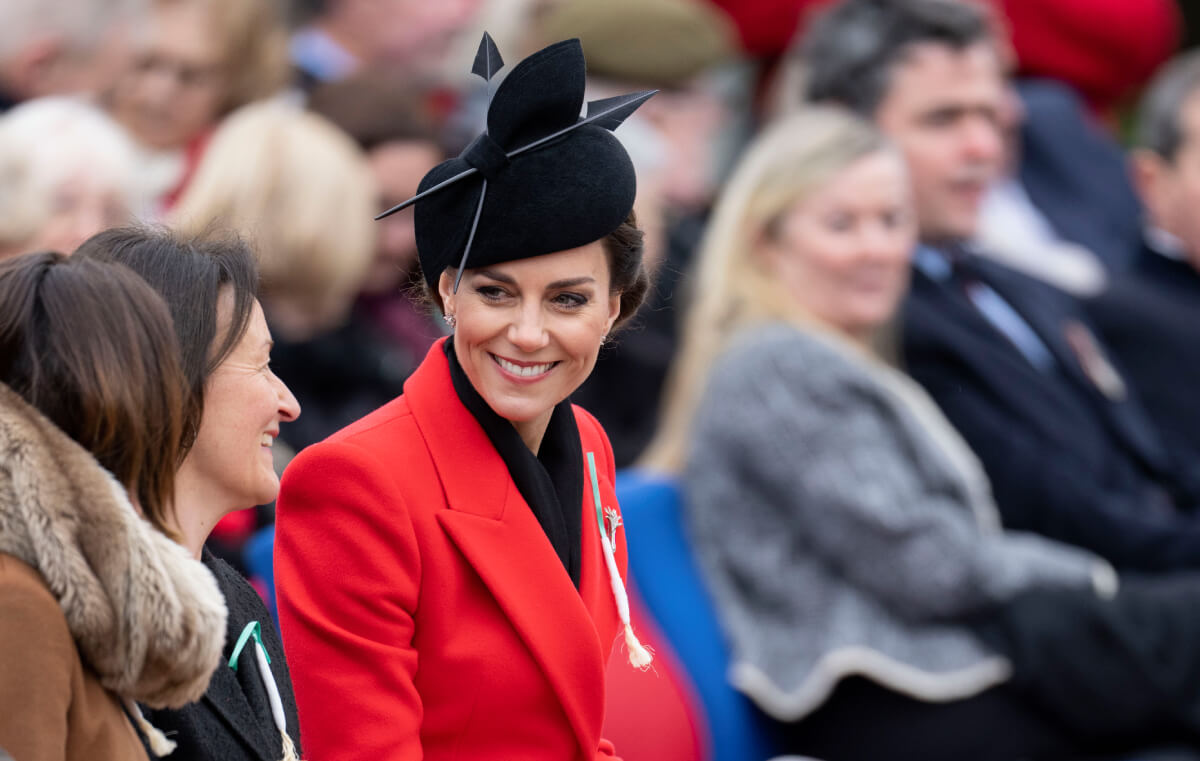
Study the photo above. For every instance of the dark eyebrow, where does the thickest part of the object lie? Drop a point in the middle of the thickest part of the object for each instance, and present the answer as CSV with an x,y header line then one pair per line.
x,y
556,285
571,282
500,276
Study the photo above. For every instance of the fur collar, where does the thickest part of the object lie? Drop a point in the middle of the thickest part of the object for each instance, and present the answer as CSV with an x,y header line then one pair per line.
x,y
146,617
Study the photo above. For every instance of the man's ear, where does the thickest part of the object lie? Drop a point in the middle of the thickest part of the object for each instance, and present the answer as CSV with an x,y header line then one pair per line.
x,y
1151,175
33,70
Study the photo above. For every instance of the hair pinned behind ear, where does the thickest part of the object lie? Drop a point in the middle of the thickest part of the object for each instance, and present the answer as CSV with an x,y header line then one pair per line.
x,y
541,178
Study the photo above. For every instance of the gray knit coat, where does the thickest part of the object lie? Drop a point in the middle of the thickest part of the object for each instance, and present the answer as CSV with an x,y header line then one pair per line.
x,y
843,527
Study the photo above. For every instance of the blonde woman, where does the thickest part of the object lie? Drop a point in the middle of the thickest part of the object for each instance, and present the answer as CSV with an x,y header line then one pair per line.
x,y
875,606
303,192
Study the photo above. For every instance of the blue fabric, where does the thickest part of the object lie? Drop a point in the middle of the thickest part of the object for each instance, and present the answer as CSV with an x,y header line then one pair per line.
x,y
258,555
666,576
993,307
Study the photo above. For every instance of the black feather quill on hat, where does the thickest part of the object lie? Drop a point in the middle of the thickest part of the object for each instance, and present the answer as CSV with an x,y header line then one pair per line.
x,y
543,177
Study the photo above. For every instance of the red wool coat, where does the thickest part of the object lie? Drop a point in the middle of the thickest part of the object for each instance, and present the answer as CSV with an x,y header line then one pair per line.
x,y
424,612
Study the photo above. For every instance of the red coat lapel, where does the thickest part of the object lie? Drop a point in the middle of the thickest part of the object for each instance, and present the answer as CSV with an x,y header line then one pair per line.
x,y
500,537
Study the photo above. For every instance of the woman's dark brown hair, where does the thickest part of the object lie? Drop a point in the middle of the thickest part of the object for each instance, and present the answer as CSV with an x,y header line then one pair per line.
x,y
626,268
190,274
90,345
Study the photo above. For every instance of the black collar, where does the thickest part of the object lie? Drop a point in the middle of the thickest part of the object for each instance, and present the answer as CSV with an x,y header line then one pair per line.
x,y
552,481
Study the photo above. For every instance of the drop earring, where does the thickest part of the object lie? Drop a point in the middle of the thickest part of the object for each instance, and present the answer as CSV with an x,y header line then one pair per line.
x,y
450,320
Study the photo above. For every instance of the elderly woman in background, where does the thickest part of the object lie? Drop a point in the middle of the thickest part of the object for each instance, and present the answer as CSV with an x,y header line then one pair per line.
x,y
876,607
210,286
66,171
193,63
98,609
303,191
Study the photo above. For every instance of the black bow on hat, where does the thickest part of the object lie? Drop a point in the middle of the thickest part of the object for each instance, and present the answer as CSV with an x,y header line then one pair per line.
x,y
541,178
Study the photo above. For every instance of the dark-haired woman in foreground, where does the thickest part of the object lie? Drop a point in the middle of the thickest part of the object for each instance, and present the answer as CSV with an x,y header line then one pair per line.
x,y
449,567
210,286
98,609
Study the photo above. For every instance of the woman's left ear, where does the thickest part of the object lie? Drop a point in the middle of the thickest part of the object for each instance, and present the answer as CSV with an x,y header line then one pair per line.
x,y
614,311
446,291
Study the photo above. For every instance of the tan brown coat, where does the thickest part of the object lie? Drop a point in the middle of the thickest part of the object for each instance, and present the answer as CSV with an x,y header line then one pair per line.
x,y
63,710
96,607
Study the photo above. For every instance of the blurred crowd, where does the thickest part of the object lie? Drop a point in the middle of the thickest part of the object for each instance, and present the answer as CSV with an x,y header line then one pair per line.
x,y
987,240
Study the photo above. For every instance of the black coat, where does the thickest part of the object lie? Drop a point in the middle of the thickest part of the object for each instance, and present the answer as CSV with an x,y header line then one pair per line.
x,y
1150,319
1065,459
232,721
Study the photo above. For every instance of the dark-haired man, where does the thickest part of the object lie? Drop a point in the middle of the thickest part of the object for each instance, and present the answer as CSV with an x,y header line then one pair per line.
x,y
1012,362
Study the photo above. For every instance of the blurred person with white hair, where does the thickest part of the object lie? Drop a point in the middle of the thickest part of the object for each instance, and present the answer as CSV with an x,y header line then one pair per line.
x,y
67,171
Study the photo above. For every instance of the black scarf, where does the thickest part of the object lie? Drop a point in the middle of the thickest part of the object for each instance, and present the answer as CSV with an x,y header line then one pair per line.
x,y
552,481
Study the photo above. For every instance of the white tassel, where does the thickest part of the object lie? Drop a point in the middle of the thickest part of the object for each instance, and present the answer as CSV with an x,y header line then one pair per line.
x,y
159,743
639,655
268,680
289,748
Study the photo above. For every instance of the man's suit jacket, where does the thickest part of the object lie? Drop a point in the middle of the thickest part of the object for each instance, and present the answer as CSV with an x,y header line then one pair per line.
x,y
1150,319
1076,174
1065,459
425,613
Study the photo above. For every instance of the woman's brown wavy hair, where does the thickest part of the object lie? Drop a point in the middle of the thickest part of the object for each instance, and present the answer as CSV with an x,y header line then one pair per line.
x,y
91,346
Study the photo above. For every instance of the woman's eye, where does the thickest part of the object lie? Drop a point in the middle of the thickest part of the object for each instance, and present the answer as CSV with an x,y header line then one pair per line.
x,y
839,222
490,292
570,299
894,219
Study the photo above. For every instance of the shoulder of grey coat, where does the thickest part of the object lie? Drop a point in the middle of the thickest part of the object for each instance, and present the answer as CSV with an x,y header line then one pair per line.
x,y
844,528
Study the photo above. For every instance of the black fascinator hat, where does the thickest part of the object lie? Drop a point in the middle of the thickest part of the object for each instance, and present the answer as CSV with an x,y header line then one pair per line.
x,y
545,176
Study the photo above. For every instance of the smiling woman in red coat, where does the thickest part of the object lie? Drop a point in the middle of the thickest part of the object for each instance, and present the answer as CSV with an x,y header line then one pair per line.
x,y
449,567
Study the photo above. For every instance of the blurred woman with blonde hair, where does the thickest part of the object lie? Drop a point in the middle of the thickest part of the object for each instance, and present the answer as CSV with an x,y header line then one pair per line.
x,y
269,173
302,192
